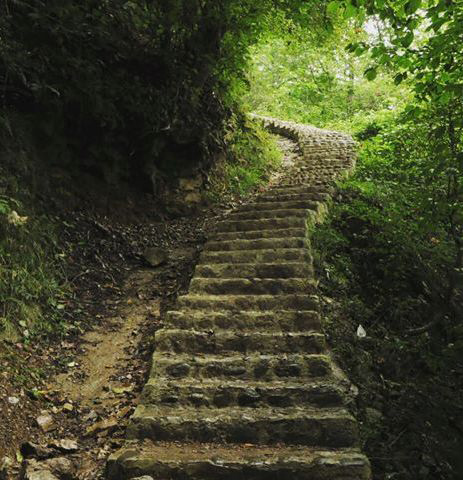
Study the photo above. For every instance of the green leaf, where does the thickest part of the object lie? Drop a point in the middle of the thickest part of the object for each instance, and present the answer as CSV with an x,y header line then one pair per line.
x,y
412,6
407,40
350,11
333,7
399,78
371,73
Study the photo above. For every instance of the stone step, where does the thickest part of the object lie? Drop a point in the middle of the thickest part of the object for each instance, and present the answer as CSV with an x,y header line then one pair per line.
x,y
274,321
254,270
220,394
258,234
189,461
257,367
273,214
255,286
299,255
290,188
278,197
326,428
216,303
263,224
280,205
256,244
192,341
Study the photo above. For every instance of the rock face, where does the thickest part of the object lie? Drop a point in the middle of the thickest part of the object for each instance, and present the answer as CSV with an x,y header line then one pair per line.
x,y
242,385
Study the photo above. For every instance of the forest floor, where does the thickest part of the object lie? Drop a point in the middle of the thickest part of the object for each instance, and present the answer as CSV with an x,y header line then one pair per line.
x,y
90,378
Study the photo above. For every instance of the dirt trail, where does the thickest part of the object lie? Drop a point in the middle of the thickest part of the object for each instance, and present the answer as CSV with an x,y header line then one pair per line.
x,y
101,373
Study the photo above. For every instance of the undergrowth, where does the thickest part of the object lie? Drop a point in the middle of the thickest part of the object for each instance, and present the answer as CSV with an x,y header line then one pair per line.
x,y
32,291
386,257
252,155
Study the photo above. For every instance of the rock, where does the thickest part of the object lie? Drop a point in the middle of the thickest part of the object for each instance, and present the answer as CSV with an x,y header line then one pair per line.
x,y
38,471
145,477
45,422
68,407
104,425
155,256
65,445
6,465
61,467
39,475
33,450
13,400
92,415
58,468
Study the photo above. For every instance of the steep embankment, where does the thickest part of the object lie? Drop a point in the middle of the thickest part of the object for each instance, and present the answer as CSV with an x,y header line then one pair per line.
x,y
242,384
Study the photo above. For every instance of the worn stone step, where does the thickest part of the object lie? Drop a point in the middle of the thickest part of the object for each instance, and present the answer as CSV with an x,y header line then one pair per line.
x,y
191,341
254,270
256,244
189,461
326,428
274,321
219,394
267,368
278,197
277,205
264,224
216,303
290,188
299,255
255,286
258,234
273,214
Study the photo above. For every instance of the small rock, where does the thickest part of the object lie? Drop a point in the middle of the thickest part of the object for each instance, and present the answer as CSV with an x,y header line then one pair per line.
x,y
92,415
38,471
60,466
123,412
13,400
145,477
68,407
6,465
29,450
108,424
45,422
155,256
65,445
122,390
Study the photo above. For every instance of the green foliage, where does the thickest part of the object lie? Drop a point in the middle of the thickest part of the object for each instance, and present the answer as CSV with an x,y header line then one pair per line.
x,y
31,276
114,87
387,257
393,236
252,156
314,80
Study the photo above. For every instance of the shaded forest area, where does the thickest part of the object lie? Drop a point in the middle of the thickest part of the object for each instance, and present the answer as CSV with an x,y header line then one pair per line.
x,y
105,105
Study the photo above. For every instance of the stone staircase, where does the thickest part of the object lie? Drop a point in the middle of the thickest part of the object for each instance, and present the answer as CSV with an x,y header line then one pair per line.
x,y
242,385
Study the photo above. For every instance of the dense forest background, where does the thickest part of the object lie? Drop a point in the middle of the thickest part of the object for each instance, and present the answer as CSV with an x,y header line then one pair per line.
x,y
134,94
